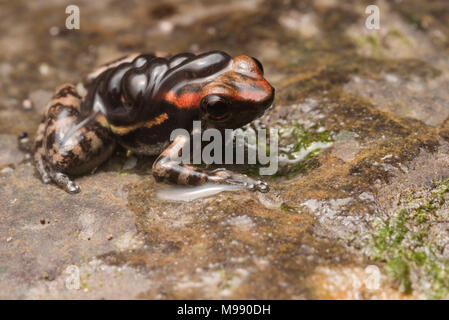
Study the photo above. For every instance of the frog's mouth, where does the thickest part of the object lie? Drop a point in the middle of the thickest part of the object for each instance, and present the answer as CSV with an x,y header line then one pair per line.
x,y
223,119
234,120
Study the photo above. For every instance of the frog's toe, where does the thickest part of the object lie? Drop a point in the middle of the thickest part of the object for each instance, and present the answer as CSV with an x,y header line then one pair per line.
x,y
62,180
258,185
73,187
228,177
262,186
46,178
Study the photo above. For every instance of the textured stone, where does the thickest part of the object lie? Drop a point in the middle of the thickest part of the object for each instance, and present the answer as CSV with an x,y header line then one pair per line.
x,y
378,98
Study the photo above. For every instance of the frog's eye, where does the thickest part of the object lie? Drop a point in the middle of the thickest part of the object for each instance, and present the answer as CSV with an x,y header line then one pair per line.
x,y
215,106
259,65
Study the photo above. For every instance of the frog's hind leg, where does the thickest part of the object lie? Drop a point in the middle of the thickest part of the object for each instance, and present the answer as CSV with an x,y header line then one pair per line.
x,y
68,144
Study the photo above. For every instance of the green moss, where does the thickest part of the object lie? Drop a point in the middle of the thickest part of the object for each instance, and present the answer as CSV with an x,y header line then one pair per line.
x,y
373,42
404,243
398,268
393,32
298,148
289,208
419,258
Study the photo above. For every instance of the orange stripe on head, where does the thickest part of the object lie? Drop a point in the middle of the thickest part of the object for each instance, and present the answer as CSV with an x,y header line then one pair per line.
x,y
257,91
189,100
255,95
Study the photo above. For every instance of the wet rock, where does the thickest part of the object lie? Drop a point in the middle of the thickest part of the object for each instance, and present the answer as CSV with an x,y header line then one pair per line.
x,y
346,146
78,230
377,99
10,153
352,283
422,99
305,24
40,99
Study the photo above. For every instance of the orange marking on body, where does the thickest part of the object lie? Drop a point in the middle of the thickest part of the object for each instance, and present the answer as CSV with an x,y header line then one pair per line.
x,y
101,119
158,120
185,100
147,124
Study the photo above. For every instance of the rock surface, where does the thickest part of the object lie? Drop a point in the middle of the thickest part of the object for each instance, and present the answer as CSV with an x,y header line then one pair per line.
x,y
376,103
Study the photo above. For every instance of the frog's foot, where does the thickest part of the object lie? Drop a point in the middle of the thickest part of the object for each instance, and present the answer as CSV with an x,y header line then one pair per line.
x,y
62,180
228,177
48,175
68,144
167,167
45,169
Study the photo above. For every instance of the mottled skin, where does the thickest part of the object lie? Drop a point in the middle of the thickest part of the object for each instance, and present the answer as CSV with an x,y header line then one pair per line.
x,y
137,101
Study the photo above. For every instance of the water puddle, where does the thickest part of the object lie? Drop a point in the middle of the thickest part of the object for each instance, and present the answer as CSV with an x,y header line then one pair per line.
x,y
187,194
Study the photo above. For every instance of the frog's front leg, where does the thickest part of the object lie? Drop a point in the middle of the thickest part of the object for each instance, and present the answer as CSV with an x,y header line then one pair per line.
x,y
68,144
168,167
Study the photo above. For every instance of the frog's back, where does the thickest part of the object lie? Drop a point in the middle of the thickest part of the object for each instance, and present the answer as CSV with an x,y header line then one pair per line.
x,y
142,100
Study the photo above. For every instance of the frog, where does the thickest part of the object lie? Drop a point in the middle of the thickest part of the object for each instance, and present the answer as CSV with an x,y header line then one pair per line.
x,y
137,101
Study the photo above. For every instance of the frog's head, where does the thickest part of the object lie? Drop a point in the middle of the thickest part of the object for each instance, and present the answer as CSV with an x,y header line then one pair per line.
x,y
228,92
237,95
